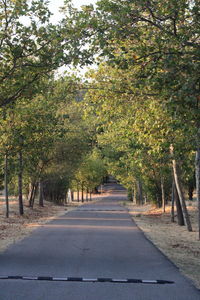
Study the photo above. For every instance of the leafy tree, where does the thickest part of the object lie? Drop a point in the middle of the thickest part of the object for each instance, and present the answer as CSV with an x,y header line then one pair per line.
x,y
92,171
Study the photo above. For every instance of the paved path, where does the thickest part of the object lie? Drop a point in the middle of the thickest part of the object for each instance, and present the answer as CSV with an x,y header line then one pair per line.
x,y
97,240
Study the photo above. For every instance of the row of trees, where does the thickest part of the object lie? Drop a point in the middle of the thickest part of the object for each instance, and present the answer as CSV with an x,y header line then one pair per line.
x,y
141,107
44,139
47,146
145,95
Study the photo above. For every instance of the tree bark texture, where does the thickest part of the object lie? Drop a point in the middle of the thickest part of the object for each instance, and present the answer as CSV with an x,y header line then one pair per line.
x,y
82,193
163,193
41,193
197,169
32,194
179,210
177,179
6,184
20,175
78,195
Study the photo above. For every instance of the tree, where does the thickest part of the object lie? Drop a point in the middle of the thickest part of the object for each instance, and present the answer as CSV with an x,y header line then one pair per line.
x,y
156,42
92,171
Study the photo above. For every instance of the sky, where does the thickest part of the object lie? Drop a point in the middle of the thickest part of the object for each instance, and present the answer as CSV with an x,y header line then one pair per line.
x,y
55,4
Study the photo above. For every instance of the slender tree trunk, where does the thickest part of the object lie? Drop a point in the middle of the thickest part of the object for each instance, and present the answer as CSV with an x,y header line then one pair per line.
x,y
179,210
197,169
90,196
132,194
30,195
78,195
139,193
34,194
86,196
20,175
173,202
72,196
82,193
41,194
190,191
6,184
135,194
163,194
178,184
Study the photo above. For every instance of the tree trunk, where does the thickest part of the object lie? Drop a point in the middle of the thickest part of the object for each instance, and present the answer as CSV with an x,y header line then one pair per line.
x,y
163,194
78,195
197,169
20,174
6,184
177,179
190,191
30,196
82,193
87,194
135,194
34,193
139,197
90,196
173,202
179,210
72,196
41,194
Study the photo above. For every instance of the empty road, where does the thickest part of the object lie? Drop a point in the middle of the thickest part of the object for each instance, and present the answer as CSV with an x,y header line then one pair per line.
x,y
88,254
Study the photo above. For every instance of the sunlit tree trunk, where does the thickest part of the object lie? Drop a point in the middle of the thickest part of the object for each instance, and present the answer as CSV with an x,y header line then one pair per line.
x,y
72,196
179,210
173,202
177,179
41,194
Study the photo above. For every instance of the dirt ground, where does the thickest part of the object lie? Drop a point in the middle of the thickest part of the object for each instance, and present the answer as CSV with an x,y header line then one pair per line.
x,y
181,246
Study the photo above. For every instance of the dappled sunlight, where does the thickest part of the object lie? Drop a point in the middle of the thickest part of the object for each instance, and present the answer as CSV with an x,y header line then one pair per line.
x,y
87,227
10,202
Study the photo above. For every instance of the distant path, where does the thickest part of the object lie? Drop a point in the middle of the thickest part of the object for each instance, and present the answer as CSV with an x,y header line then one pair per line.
x,y
97,240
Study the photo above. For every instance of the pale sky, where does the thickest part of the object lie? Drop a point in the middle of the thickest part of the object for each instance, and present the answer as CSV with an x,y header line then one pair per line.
x,y
55,4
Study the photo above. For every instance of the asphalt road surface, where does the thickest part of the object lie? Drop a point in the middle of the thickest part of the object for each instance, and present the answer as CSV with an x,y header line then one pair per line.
x,y
83,254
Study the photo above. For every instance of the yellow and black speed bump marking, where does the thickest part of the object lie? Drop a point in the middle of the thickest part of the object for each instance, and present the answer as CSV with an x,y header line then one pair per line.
x,y
80,279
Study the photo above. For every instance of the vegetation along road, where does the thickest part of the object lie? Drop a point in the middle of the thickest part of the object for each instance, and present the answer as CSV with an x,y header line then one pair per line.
x,y
134,114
